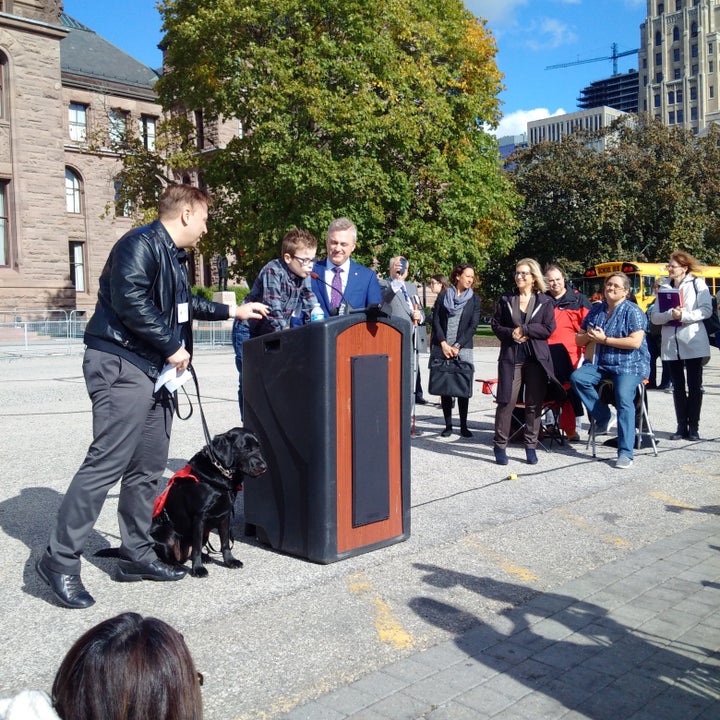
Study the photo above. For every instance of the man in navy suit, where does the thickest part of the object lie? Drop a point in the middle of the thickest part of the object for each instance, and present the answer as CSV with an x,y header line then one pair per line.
x,y
356,286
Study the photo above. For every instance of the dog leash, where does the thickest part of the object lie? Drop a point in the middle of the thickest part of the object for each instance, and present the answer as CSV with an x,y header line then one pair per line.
x,y
206,431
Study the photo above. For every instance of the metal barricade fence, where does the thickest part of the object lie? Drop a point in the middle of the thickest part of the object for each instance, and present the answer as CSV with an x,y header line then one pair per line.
x,y
25,333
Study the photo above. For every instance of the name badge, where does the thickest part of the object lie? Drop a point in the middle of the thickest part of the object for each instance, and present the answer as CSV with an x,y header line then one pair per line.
x,y
183,312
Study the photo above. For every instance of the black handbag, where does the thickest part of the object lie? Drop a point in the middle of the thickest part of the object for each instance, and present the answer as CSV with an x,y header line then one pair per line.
x,y
451,377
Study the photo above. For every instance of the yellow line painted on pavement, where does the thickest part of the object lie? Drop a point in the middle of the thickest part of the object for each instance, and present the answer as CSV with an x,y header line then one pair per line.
x,y
583,524
388,628
698,471
670,500
505,563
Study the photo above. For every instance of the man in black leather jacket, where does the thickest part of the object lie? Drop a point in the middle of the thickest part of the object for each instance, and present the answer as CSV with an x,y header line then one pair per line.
x,y
142,324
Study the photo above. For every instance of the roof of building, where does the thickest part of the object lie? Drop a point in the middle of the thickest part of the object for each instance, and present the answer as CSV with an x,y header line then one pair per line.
x,y
84,53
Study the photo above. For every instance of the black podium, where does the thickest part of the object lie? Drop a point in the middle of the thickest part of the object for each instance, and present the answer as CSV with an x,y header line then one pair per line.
x,y
330,404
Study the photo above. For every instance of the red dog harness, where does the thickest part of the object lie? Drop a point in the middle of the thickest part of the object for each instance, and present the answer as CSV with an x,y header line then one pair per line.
x,y
160,501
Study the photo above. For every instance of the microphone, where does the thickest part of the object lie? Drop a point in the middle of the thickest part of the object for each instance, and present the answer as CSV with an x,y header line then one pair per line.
x,y
342,308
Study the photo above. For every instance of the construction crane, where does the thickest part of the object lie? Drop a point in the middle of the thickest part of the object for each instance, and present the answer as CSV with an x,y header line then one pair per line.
x,y
614,57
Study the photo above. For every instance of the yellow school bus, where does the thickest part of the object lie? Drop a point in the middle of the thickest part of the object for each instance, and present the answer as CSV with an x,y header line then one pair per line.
x,y
642,279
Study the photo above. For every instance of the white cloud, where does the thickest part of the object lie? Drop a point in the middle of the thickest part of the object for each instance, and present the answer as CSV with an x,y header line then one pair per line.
x,y
496,12
516,122
550,34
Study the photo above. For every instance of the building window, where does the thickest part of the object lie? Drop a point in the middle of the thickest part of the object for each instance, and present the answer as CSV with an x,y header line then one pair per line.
x,y
693,30
671,118
657,101
676,73
77,266
123,208
678,4
661,8
710,66
711,91
117,125
676,55
694,50
693,113
3,86
658,58
4,224
658,38
693,93
680,116
679,96
659,77
148,126
676,34
77,120
72,191
710,48
671,98
694,70
200,129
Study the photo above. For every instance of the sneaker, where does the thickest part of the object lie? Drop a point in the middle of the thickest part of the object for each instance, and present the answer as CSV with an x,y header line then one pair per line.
x,y
623,462
604,428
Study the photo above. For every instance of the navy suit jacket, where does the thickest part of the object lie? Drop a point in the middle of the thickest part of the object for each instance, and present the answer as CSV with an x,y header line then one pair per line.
x,y
362,287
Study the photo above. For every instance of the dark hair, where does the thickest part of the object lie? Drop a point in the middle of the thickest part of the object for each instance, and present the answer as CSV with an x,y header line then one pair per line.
x,y
458,270
442,280
295,239
128,668
175,196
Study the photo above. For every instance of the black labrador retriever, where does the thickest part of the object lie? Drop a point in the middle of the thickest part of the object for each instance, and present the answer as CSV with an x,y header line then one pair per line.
x,y
200,498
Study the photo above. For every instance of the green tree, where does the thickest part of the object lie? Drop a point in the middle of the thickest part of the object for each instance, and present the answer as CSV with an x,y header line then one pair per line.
x,y
373,109
649,190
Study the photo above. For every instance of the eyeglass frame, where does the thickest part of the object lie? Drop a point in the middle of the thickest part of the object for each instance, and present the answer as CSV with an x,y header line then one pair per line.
x,y
304,261
523,273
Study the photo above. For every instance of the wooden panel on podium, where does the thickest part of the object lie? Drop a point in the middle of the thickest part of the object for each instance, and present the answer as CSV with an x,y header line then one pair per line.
x,y
358,340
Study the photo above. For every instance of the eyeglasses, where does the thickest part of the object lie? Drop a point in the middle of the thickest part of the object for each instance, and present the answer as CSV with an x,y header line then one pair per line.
x,y
670,266
553,281
520,273
304,261
613,285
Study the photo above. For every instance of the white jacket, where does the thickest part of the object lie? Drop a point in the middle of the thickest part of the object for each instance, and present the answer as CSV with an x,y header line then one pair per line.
x,y
689,339
28,705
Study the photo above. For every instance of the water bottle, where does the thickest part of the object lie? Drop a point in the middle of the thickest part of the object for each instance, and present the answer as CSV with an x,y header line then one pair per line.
x,y
316,314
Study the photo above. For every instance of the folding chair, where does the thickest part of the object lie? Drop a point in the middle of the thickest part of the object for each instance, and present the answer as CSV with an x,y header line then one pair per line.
x,y
643,428
550,410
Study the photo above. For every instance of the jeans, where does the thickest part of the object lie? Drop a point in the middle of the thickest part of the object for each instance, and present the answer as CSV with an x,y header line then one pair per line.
x,y
240,333
585,381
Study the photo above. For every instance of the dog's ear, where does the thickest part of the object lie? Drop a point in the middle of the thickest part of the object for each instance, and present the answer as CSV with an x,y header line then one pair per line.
x,y
222,446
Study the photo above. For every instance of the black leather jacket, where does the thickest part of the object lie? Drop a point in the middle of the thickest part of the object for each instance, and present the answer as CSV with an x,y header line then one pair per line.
x,y
141,285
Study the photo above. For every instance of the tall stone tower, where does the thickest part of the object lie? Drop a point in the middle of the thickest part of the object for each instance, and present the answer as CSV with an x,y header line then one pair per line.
x,y
679,74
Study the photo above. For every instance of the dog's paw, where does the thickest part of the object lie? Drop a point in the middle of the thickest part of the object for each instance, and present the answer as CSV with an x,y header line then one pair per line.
x,y
199,572
233,563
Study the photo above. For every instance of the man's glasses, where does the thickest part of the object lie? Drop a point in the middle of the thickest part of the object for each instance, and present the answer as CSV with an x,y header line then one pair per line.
x,y
613,285
521,273
304,261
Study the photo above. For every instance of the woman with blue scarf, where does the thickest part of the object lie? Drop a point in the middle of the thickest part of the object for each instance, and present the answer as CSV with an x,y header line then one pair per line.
x,y
456,315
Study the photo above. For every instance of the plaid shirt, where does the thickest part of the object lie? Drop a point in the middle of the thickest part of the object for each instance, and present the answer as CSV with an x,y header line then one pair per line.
x,y
624,320
284,293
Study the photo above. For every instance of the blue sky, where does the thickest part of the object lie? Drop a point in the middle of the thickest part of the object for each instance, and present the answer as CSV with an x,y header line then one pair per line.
x,y
531,34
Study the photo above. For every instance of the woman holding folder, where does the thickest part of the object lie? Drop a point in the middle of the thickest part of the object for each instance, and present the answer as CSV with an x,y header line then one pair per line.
x,y
683,302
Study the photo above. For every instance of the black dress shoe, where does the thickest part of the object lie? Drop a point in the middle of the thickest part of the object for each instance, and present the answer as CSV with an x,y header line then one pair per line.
x,y
421,401
68,590
693,435
129,571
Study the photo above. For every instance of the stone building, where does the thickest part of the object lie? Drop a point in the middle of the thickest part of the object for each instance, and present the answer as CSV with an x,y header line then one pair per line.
x,y
679,73
62,86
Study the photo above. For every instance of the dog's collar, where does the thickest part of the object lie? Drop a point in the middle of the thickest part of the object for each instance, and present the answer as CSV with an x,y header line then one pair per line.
x,y
222,470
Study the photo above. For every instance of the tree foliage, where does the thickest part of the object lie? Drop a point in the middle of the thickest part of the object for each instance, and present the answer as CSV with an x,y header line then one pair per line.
x,y
372,109
651,190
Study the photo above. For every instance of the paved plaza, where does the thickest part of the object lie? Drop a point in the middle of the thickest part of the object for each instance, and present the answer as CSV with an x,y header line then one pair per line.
x,y
573,591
